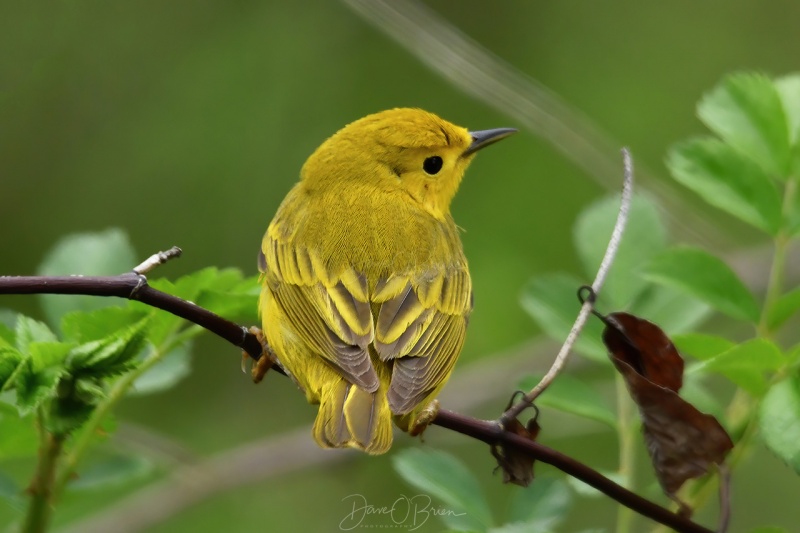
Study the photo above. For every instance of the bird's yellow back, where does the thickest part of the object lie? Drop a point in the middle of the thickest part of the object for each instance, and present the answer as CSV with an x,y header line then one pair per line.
x,y
366,288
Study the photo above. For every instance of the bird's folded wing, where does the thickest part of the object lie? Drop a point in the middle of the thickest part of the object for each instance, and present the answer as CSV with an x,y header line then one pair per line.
x,y
420,327
330,313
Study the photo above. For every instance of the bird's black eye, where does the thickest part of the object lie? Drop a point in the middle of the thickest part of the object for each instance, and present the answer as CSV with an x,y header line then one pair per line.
x,y
432,165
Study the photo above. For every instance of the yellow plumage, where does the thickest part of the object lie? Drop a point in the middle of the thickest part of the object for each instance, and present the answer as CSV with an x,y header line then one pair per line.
x,y
366,290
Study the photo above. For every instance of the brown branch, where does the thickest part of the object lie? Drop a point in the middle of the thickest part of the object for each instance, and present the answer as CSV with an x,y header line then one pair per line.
x,y
134,287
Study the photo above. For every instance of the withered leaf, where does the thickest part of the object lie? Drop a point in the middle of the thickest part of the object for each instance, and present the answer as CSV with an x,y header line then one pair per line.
x,y
683,442
517,467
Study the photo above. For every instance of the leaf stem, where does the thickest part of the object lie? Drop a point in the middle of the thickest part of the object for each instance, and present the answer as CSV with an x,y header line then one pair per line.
x,y
778,267
40,509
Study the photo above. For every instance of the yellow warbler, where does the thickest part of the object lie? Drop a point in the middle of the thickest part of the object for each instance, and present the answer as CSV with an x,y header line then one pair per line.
x,y
366,291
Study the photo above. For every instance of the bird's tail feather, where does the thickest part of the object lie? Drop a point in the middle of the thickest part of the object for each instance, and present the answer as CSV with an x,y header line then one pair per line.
x,y
351,417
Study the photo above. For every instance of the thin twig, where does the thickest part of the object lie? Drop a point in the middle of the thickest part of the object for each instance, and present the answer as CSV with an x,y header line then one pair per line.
x,y
588,305
157,259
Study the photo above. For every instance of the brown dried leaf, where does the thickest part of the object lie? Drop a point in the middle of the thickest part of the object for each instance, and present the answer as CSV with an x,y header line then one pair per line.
x,y
683,442
644,347
517,467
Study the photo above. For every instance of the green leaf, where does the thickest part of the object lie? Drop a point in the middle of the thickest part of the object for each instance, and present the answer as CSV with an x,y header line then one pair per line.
x,y
746,111
746,364
89,254
644,236
85,326
780,421
728,180
7,336
39,374
10,360
11,493
541,506
768,529
783,308
553,303
571,395
18,437
788,88
30,330
789,91
701,346
112,472
706,277
674,311
696,393
110,356
440,475
175,366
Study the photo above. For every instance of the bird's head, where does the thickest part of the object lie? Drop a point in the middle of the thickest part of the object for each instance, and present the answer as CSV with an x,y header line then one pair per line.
x,y
404,149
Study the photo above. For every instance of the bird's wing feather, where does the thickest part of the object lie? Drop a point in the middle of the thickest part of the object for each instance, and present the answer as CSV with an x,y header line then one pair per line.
x,y
421,326
330,313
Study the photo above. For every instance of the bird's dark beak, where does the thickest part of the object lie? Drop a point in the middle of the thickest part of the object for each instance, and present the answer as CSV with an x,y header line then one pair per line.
x,y
484,138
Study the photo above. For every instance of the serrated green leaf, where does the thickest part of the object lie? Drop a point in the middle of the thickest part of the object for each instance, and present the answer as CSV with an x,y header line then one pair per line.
x,y
111,472
571,395
175,366
706,277
102,253
38,375
701,346
229,305
746,111
69,412
728,180
541,506
18,437
745,364
112,355
29,330
190,286
674,311
440,475
553,303
644,236
780,421
85,326
10,359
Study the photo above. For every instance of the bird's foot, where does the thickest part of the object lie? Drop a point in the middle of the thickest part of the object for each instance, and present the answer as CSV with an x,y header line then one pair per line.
x,y
265,362
424,418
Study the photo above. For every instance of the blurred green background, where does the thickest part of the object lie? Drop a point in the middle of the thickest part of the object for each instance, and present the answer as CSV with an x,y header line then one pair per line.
x,y
185,123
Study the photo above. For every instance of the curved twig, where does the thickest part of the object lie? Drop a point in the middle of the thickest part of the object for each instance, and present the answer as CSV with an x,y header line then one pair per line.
x,y
588,305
